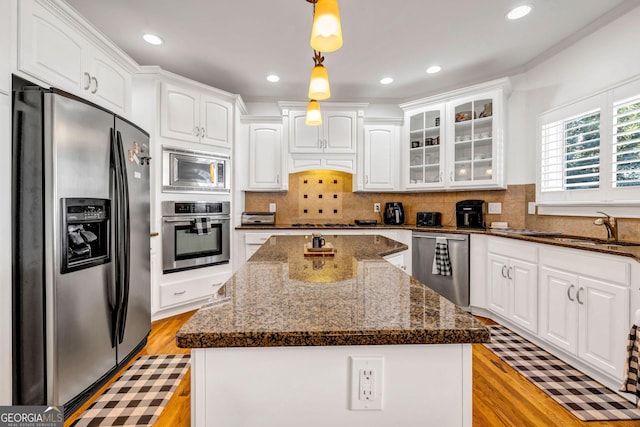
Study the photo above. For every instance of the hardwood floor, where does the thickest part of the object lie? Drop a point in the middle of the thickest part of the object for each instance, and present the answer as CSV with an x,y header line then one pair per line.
x,y
501,396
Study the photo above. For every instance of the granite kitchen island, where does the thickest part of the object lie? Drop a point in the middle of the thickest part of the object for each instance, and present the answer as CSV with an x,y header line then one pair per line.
x,y
346,339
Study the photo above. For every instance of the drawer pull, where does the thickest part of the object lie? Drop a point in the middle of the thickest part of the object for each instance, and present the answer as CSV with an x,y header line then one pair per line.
x,y
216,284
569,293
180,293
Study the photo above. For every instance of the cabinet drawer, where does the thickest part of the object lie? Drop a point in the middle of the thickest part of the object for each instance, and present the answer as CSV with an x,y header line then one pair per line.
x,y
256,238
191,290
513,249
603,267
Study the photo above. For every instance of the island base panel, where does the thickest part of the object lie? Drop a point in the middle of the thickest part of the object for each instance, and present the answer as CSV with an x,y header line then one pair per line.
x,y
311,386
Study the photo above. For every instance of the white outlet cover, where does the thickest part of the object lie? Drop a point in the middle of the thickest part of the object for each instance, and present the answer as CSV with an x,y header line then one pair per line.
x,y
373,382
531,208
495,208
272,207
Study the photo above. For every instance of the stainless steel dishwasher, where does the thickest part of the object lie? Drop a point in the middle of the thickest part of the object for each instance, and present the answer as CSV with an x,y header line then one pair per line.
x,y
455,287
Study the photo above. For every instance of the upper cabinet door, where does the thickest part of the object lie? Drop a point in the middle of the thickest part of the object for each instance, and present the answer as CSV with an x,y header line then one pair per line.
x,y
215,121
180,114
424,142
476,142
303,138
50,50
380,160
265,157
111,84
339,132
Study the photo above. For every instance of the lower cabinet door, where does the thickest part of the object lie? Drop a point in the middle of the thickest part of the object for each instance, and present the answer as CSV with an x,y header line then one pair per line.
x,y
523,278
498,283
604,316
558,309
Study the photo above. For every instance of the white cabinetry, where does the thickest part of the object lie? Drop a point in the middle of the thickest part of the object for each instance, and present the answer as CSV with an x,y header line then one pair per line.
x,y
266,170
456,139
513,281
185,291
380,159
191,114
584,307
336,134
5,56
55,47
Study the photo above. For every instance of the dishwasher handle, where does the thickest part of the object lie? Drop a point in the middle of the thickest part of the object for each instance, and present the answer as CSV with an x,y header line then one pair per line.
x,y
433,237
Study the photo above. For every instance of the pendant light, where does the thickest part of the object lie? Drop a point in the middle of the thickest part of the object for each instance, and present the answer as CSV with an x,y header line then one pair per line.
x,y
314,116
319,83
326,32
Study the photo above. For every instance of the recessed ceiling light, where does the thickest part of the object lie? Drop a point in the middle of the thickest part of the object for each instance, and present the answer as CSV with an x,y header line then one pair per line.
x,y
386,81
152,39
434,69
273,78
519,12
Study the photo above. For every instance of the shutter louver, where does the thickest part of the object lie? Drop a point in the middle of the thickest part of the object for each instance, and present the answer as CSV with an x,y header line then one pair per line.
x,y
571,153
626,143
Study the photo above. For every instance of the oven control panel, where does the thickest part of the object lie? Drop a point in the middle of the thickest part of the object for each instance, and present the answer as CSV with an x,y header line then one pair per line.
x,y
170,208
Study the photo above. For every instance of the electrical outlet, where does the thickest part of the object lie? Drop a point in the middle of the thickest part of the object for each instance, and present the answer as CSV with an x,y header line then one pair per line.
x,y
376,207
495,208
272,207
531,208
367,385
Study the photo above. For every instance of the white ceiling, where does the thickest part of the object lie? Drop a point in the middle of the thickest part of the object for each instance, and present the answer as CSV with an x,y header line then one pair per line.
x,y
234,45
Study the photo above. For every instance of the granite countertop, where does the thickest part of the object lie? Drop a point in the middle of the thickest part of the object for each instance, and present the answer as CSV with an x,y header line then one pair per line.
x,y
282,298
627,251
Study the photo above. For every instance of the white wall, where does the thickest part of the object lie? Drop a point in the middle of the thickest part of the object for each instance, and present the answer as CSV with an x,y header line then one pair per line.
x,y
5,201
600,60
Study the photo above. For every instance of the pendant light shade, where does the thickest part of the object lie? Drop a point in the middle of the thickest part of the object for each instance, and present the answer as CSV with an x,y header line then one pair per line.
x,y
314,117
319,84
326,32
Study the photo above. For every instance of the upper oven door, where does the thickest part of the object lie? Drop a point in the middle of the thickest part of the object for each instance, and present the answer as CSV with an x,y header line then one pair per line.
x,y
184,246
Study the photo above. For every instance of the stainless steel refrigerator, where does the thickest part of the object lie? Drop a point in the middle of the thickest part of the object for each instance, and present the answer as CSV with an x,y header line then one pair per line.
x,y
81,281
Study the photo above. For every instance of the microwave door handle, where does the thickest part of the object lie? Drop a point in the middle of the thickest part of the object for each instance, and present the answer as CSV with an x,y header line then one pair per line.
x,y
212,172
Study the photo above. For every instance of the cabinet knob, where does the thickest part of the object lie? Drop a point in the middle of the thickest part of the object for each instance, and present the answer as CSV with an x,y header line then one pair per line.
x,y
578,296
569,293
95,89
87,82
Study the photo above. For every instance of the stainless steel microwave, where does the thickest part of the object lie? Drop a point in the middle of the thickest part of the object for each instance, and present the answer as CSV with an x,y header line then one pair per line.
x,y
190,171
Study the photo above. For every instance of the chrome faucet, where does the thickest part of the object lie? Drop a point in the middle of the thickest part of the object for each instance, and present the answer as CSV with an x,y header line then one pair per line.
x,y
610,223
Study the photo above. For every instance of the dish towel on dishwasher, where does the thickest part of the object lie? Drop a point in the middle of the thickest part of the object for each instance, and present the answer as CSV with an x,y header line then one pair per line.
x,y
441,261
631,375
201,226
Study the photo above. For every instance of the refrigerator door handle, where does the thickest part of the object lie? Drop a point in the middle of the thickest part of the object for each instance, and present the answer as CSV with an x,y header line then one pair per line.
x,y
126,246
115,293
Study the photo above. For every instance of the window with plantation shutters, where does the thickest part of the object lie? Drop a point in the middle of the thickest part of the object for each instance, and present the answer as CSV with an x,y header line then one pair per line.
x,y
589,154
626,143
571,153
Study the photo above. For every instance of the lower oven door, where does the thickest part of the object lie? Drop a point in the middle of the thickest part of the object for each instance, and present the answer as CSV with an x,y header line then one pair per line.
x,y
185,247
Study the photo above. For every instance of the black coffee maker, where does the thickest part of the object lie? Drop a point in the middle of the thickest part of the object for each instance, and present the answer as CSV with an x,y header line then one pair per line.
x,y
470,214
393,213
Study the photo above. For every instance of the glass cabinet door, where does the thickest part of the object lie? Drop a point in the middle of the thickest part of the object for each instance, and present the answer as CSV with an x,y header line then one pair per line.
x,y
473,136
425,137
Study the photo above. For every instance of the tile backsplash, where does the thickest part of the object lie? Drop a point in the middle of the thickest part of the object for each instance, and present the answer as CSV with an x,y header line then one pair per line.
x,y
333,201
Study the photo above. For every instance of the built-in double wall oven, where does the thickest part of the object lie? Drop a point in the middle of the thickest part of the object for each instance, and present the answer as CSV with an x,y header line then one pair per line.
x,y
195,234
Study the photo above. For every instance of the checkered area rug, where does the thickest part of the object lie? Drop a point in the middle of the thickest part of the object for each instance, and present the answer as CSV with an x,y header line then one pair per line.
x,y
586,399
139,396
